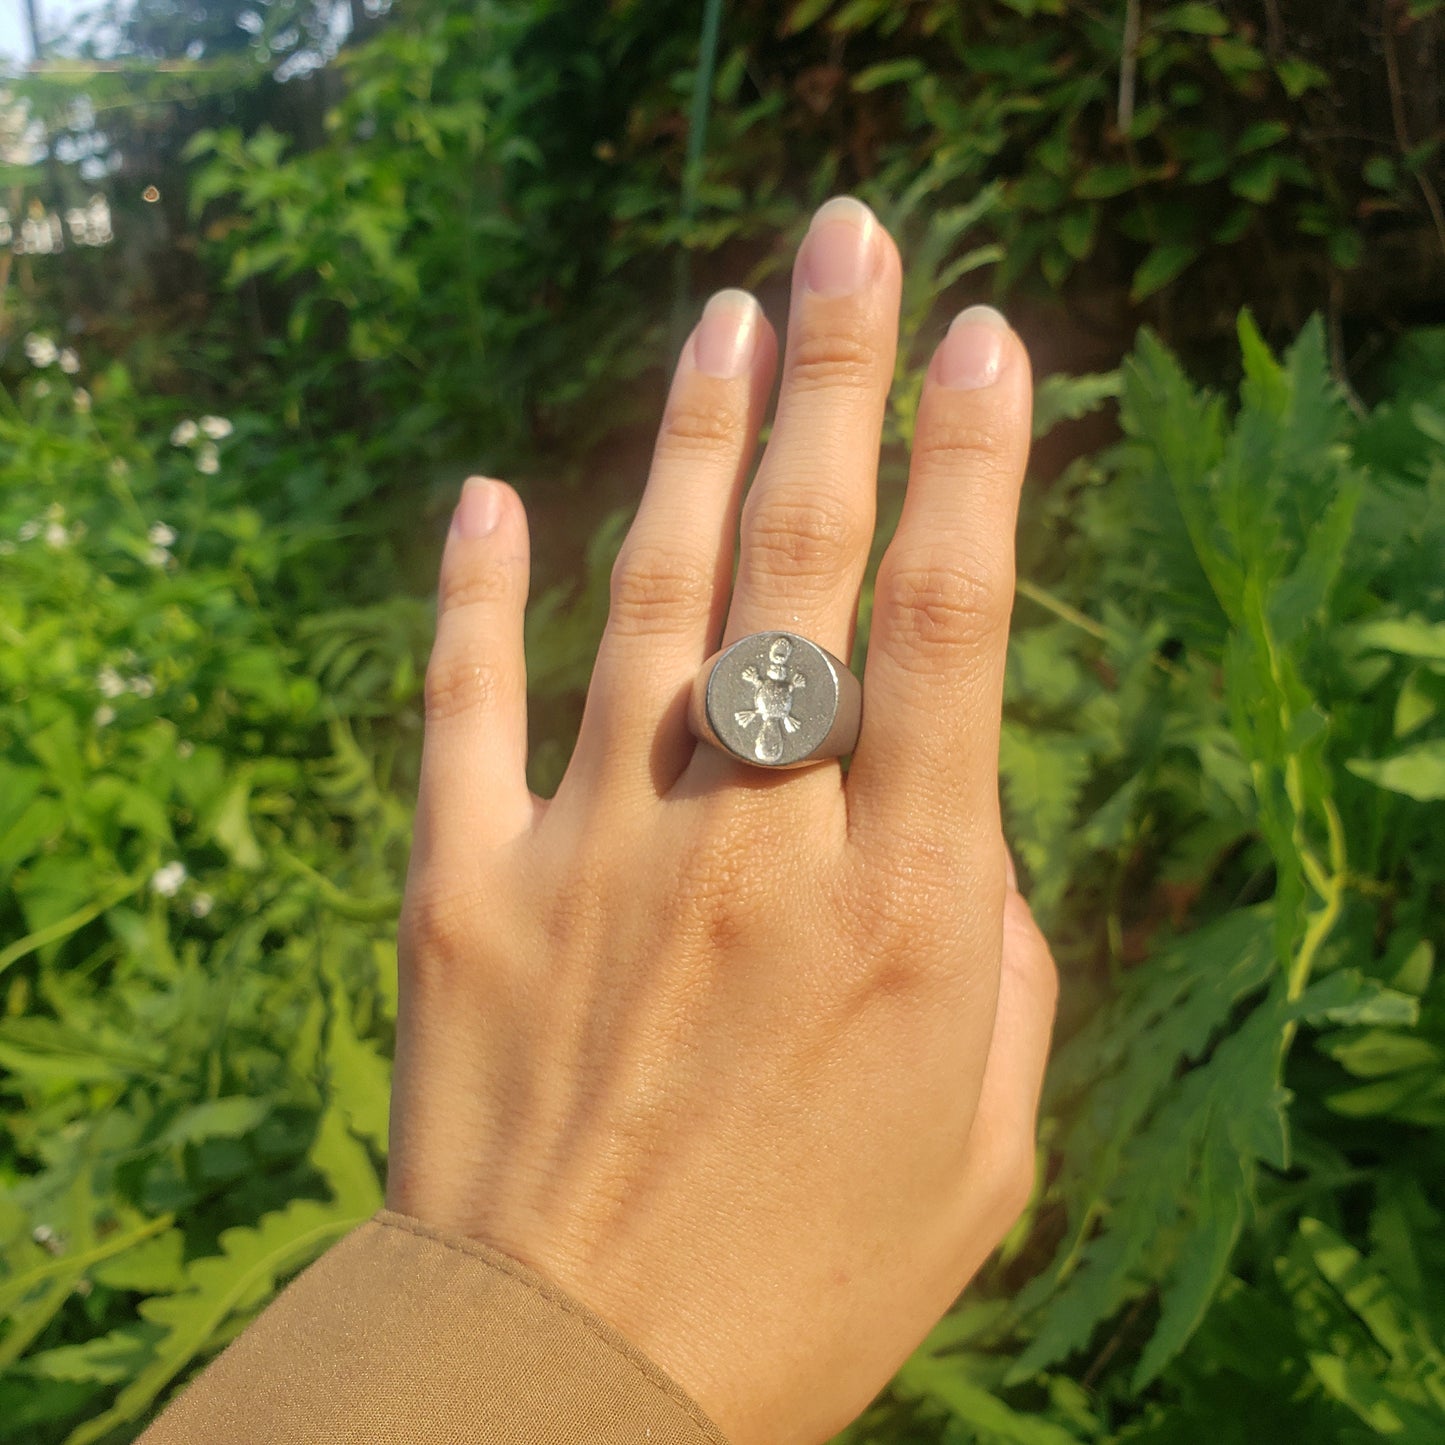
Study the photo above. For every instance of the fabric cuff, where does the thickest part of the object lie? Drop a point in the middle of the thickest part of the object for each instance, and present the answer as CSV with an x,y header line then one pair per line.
x,y
406,1335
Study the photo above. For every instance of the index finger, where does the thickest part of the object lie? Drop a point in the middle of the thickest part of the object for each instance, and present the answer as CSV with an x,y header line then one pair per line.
x,y
927,756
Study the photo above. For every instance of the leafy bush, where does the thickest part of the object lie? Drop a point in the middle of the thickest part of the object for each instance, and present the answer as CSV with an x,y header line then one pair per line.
x,y
1224,738
488,233
201,831
1225,741
1224,735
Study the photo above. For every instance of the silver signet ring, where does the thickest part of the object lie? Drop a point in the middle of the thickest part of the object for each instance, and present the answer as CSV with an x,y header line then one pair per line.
x,y
776,700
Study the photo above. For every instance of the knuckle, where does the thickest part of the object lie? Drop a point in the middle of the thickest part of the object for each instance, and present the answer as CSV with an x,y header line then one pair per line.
x,y
799,538
901,955
838,357
700,428
942,607
655,591
435,934
958,445
484,586
457,685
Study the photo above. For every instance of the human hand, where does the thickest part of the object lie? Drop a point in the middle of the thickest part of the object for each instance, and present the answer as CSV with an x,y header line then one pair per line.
x,y
746,1061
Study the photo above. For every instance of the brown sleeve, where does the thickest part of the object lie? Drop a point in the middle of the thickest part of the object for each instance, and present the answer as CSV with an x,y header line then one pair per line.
x,y
400,1335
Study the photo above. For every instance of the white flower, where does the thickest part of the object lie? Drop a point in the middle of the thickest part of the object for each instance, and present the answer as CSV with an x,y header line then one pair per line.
x,y
167,879
82,400
110,682
216,427
40,349
143,686
161,535
208,461
185,748
157,557
56,536
69,362
28,531
119,468
202,904
185,433
104,715
48,1239
40,389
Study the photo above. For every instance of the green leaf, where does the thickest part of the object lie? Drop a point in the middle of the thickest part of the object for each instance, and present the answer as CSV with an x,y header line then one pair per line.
x,y
804,14
1219,1207
1386,1413
941,1381
1400,1331
1067,398
108,1359
1414,707
1258,178
1300,76
1141,1146
1418,773
232,1118
1378,1052
888,72
360,1079
250,1262
1348,997
1405,636
1077,230
1161,266
151,1266
229,823
1099,183
1043,777
1261,135
1195,18
1379,171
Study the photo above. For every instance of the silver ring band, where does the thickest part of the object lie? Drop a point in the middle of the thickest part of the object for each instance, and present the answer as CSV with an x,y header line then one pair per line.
x,y
777,700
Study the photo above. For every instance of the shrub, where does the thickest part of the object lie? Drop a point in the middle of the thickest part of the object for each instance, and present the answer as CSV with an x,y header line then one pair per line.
x,y
1222,744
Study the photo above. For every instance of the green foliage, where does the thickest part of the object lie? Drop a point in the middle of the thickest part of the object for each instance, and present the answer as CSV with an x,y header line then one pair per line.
x,y
1210,777
1224,746
201,833
1226,661
488,226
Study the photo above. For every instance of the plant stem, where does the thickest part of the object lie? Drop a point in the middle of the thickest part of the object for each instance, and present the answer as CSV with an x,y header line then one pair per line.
x,y
692,168
71,923
1061,609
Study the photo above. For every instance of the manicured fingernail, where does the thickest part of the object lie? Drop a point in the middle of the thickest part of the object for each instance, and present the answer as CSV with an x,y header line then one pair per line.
x,y
972,353
840,248
479,510
727,335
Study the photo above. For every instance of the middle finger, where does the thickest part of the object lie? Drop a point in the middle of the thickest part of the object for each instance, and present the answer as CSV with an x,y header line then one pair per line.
x,y
808,521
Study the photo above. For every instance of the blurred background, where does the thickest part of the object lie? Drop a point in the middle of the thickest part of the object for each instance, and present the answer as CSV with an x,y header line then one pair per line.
x,y
275,275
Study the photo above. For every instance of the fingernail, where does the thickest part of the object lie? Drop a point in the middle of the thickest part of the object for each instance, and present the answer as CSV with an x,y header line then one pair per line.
x,y
479,510
840,247
972,353
727,335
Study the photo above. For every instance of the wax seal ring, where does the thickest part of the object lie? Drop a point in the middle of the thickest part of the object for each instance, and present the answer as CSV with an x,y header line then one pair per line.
x,y
776,700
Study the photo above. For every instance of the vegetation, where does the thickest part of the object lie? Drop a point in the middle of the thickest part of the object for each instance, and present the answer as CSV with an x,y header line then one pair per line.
x,y
1224,750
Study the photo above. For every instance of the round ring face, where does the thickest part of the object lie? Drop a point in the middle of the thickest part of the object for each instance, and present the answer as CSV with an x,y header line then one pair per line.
x,y
772,698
